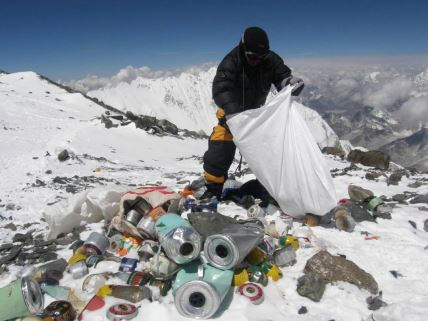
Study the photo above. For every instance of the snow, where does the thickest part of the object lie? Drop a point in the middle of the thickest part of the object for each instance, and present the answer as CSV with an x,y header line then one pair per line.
x,y
36,123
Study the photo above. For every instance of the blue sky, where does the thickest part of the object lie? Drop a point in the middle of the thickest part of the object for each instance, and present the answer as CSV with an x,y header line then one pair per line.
x,y
71,39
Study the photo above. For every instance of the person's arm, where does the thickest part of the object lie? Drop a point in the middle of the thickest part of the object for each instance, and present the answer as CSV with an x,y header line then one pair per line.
x,y
283,76
224,86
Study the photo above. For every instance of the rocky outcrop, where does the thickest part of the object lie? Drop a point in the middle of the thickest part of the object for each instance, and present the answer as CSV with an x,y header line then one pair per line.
x,y
374,158
336,268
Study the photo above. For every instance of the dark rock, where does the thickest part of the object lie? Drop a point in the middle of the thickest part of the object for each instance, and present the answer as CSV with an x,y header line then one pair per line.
x,y
6,247
60,180
395,274
302,310
39,183
423,208
11,227
71,189
63,156
395,178
64,241
13,253
22,238
167,126
335,268
375,159
375,302
416,184
413,224
117,117
420,199
131,116
107,122
48,257
359,214
45,249
145,122
400,198
48,172
10,207
41,243
373,175
358,194
32,256
336,151
312,286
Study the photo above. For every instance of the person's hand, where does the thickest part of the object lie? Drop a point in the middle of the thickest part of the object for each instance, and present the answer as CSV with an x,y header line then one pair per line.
x,y
295,82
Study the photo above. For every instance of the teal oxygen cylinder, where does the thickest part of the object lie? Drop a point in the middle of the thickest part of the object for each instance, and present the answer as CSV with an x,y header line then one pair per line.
x,y
199,289
178,238
20,298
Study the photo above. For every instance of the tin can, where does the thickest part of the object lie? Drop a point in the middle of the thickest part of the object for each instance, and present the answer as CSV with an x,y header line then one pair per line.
x,y
162,267
20,298
146,226
143,207
78,270
253,292
133,217
138,278
96,244
128,264
147,250
284,256
255,211
229,248
60,311
121,312
131,293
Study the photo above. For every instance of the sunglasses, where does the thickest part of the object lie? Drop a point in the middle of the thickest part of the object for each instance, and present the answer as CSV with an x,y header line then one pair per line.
x,y
251,55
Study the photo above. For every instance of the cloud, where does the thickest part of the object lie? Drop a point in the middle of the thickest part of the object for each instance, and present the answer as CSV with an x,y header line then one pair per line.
x,y
129,74
388,94
414,111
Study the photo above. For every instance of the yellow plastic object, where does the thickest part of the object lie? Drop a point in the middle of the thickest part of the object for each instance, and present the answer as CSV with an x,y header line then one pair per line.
x,y
274,273
77,257
255,257
240,277
289,240
104,291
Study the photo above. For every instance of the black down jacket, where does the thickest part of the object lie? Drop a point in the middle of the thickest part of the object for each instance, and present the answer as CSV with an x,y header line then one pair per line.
x,y
237,86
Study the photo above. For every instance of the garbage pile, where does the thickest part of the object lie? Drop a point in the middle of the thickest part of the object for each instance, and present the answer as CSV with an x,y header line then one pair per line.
x,y
162,241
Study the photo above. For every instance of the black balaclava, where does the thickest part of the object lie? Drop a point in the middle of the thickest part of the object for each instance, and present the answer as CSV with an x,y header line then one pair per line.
x,y
255,39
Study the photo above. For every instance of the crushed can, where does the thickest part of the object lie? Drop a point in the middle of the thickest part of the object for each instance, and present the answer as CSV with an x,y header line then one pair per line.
x,y
146,226
20,298
178,238
199,289
255,211
143,207
162,267
147,250
229,248
78,270
131,293
96,243
284,256
252,292
133,217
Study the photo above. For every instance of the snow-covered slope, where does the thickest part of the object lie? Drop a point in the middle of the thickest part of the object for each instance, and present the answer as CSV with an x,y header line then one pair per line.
x,y
36,126
186,100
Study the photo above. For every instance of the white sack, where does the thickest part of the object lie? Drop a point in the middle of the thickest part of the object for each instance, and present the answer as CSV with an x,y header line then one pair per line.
x,y
281,151
87,207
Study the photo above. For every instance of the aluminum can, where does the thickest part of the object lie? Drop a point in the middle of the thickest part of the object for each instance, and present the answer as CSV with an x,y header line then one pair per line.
x,y
146,226
284,256
255,211
133,217
96,244
78,270
20,298
60,311
229,248
252,291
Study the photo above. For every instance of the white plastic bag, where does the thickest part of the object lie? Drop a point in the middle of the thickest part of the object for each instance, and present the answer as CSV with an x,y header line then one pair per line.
x,y
282,153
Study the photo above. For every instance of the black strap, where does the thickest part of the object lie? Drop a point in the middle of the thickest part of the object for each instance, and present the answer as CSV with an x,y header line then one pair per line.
x,y
238,170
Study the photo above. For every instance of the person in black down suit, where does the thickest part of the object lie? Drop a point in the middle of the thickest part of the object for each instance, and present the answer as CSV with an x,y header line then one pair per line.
x,y
243,81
